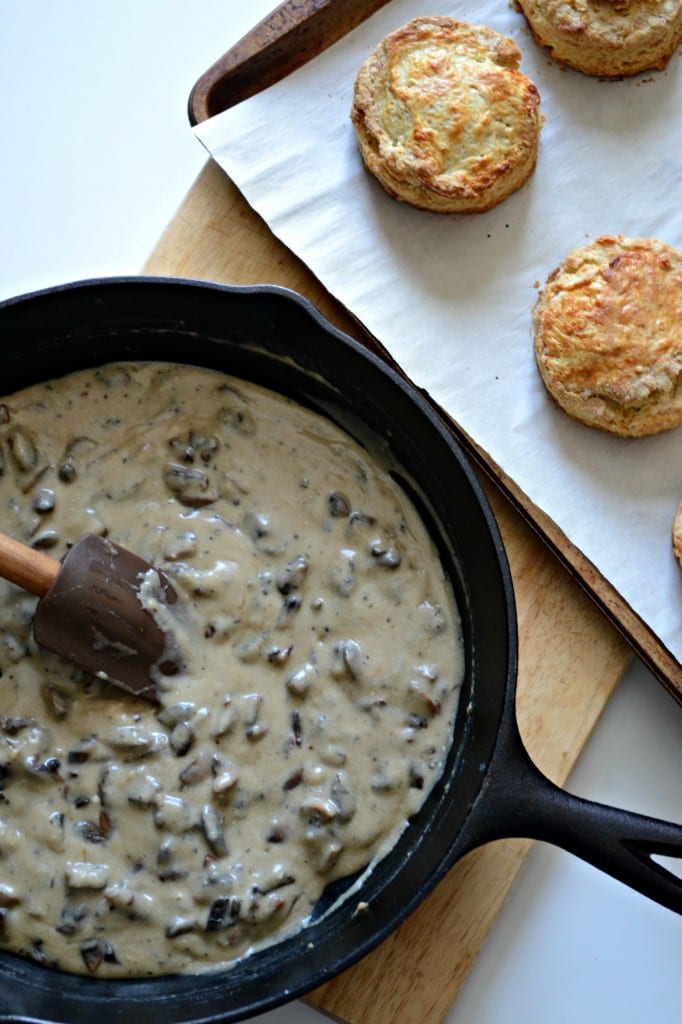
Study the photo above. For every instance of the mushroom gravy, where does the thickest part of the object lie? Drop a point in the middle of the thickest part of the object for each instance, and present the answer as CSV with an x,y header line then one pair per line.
x,y
322,668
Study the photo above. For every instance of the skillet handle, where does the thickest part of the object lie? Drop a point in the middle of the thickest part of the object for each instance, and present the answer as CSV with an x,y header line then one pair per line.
x,y
518,801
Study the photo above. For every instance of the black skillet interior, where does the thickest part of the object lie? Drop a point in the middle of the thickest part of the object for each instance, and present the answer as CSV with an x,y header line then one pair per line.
x,y
276,338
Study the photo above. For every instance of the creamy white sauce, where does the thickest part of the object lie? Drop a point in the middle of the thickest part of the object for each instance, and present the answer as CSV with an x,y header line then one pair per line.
x,y
323,662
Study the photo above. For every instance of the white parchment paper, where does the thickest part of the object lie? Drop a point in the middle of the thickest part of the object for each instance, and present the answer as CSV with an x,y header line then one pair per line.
x,y
451,296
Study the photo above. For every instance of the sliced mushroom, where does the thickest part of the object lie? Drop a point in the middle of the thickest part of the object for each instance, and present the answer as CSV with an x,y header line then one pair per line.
x,y
98,951
343,796
224,913
191,486
85,875
213,830
181,926
23,450
292,575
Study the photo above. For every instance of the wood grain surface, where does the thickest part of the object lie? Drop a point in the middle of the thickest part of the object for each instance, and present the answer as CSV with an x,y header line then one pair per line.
x,y
571,657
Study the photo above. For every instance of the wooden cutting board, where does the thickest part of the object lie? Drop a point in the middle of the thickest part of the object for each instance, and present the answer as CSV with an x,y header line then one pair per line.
x,y
570,656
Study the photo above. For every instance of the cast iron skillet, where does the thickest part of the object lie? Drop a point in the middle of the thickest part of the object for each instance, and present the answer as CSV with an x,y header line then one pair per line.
x,y
490,788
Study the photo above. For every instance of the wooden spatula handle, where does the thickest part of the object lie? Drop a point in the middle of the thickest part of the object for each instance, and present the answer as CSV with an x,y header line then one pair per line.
x,y
287,38
30,569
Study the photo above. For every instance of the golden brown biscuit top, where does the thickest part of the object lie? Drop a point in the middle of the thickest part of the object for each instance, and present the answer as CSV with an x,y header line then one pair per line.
x,y
609,321
612,22
607,37
444,97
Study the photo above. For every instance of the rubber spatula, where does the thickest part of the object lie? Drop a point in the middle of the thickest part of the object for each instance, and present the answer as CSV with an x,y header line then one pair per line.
x,y
90,611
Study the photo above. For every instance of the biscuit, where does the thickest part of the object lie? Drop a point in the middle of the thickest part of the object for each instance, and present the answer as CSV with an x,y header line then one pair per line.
x,y
608,38
443,117
608,335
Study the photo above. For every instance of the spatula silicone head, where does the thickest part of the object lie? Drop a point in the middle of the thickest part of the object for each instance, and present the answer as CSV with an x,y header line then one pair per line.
x,y
91,613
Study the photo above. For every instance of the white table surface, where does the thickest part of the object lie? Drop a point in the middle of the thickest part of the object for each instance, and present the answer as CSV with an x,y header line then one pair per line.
x,y
96,158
